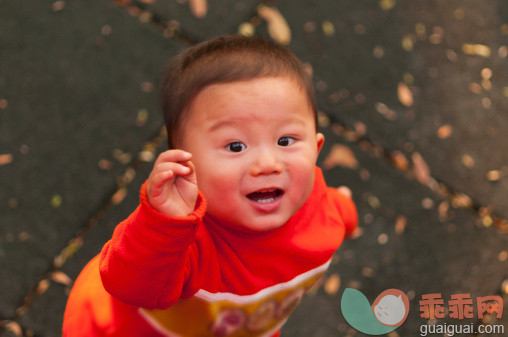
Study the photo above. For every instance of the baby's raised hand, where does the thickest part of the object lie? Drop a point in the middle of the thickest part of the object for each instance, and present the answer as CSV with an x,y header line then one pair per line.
x,y
172,186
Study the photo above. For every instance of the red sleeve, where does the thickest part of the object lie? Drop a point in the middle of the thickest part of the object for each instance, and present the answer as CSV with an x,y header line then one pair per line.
x,y
347,209
147,261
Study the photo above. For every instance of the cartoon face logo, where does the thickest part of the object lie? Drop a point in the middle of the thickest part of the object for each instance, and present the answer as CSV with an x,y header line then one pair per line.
x,y
387,313
391,307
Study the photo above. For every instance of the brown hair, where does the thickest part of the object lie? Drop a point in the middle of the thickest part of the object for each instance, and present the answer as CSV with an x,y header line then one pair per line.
x,y
225,59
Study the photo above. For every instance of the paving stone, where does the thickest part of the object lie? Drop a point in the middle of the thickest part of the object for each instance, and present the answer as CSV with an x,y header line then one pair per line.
x,y
45,316
430,256
73,98
352,82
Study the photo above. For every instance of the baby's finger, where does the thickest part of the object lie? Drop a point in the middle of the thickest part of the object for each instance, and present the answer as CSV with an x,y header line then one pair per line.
x,y
158,181
181,169
345,190
173,156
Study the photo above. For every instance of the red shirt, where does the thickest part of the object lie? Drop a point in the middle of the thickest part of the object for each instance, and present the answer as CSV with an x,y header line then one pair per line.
x,y
195,277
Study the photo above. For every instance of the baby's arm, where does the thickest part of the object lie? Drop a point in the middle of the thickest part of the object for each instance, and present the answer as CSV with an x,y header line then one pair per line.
x,y
146,263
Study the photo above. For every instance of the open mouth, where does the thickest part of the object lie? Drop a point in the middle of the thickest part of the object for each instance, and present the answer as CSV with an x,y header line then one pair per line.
x,y
265,196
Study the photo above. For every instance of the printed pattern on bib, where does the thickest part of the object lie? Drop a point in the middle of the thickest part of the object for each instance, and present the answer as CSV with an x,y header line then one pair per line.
x,y
232,315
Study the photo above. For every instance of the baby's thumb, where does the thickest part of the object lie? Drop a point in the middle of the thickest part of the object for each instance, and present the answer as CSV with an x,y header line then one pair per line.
x,y
345,190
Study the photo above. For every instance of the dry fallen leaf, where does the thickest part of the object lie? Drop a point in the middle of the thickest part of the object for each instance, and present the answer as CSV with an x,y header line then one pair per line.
x,y
461,201
493,175
246,29
382,239
278,28
56,201
357,232
14,327
503,256
6,159
476,49
399,160
421,169
42,286
198,7
393,334
385,111
146,156
340,155
328,28
373,201
367,272
468,161
504,287
444,131
400,224
61,278
58,6
387,4
427,203
405,95
146,86
407,43
119,196
332,284
420,30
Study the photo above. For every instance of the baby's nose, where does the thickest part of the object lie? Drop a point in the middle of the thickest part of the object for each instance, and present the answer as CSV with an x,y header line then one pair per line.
x,y
266,162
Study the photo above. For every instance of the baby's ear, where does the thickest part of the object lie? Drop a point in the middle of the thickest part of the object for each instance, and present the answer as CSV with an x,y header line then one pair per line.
x,y
320,139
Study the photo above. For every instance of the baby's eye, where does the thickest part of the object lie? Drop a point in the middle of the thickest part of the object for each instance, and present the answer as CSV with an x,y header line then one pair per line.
x,y
285,141
236,147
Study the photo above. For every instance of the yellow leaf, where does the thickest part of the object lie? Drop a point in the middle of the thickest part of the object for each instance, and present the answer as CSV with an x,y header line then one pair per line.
x,y
332,284
246,29
387,4
476,49
278,28
328,28
56,201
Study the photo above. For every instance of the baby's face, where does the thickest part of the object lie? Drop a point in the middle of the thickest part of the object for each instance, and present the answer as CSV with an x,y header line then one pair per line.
x,y
254,146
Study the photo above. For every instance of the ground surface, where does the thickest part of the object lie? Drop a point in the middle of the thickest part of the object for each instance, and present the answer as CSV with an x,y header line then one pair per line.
x,y
413,98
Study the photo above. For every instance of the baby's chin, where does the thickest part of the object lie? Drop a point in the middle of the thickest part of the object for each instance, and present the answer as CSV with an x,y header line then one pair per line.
x,y
263,225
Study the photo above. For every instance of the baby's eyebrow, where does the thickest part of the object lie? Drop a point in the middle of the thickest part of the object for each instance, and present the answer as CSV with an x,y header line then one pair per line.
x,y
238,121
226,122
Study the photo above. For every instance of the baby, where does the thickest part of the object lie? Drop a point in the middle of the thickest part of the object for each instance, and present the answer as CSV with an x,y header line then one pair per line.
x,y
235,221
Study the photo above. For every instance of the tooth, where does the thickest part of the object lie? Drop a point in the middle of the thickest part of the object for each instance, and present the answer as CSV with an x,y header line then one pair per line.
x,y
264,201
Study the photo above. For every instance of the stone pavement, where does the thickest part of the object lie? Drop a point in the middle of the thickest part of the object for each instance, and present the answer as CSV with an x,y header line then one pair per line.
x,y
413,96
